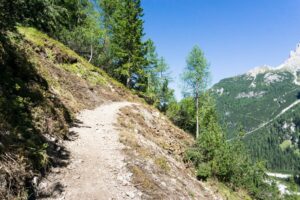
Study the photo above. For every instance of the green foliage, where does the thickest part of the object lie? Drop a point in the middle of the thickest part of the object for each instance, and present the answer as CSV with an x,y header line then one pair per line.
x,y
229,162
47,15
74,22
204,171
166,95
8,14
291,197
182,114
157,91
196,74
285,145
88,38
277,145
122,20
235,110
195,78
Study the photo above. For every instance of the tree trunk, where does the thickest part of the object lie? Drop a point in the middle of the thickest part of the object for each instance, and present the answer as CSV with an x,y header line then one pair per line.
x,y
128,82
197,115
91,55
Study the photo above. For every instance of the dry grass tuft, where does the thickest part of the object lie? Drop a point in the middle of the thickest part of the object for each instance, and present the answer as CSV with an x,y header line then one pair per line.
x,y
12,177
129,139
142,179
162,163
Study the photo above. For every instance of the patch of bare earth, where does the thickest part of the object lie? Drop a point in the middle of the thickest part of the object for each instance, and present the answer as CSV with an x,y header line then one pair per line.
x,y
154,149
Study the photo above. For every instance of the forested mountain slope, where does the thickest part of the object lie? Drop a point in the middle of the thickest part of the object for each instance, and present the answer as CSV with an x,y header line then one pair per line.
x,y
264,103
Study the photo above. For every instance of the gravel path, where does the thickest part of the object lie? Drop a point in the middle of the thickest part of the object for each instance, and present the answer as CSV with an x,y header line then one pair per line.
x,y
97,169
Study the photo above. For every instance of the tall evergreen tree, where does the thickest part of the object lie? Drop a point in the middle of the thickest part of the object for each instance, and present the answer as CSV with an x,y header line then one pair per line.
x,y
158,78
165,94
151,72
124,24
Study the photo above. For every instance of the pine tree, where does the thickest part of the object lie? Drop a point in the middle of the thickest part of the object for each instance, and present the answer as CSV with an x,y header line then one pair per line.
x,y
151,71
124,24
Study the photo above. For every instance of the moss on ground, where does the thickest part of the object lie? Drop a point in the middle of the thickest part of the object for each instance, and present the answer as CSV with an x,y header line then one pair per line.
x,y
76,64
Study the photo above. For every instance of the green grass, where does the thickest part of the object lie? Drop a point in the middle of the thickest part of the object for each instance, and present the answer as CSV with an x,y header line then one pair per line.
x,y
80,67
84,69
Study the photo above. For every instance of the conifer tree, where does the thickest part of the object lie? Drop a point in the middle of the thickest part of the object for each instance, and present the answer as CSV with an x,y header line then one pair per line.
x,y
158,79
151,72
124,24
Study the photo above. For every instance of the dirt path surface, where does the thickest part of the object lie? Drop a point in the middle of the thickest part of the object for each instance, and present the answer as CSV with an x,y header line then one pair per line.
x,y
97,169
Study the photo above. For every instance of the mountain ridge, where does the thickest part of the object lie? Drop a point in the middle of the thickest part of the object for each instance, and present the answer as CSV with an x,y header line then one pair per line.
x,y
291,64
260,102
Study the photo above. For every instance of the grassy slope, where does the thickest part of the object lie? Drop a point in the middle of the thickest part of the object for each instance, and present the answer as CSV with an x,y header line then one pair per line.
x,y
44,85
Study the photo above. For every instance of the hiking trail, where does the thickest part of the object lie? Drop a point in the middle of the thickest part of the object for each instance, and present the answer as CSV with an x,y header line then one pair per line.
x,y
97,168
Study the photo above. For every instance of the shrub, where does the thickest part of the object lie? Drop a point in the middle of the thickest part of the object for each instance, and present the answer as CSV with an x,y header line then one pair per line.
x,y
204,171
227,161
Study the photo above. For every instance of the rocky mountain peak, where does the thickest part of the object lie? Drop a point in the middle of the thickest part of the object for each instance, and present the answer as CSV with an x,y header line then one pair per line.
x,y
293,62
296,52
259,70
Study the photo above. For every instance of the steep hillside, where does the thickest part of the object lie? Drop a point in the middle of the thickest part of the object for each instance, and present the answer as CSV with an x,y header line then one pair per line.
x,y
154,150
45,89
42,85
264,102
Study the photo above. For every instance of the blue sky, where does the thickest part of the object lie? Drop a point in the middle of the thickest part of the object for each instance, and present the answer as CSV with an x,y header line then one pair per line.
x,y
235,35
